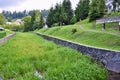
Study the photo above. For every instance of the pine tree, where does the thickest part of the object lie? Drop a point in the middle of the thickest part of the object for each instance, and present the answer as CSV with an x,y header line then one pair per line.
x,y
50,18
68,11
82,10
97,9
41,22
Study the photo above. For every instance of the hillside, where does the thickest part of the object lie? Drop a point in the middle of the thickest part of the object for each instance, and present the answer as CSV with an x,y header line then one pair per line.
x,y
88,35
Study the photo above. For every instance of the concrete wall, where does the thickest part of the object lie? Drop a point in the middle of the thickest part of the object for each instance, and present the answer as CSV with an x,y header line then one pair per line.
x,y
110,58
5,39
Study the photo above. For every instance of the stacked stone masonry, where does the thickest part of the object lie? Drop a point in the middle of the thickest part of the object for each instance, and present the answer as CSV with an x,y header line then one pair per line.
x,y
110,58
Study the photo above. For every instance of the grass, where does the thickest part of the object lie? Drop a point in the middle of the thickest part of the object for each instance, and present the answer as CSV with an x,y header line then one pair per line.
x,y
27,52
85,34
5,33
2,34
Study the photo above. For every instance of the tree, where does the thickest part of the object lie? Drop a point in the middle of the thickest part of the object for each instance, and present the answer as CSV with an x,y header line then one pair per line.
x,y
59,14
97,9
73,20
41,22
68,11
35,20
82,10
50,20
27,23
44,13
2,19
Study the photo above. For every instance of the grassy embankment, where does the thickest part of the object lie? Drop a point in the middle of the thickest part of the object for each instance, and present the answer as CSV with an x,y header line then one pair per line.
x,y
2,34
88,35
5,33
26,52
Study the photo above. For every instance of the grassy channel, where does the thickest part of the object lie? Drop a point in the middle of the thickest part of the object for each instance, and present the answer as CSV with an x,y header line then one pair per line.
x,y
27,52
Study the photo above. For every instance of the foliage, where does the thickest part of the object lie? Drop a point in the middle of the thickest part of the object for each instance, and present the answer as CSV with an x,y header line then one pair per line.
x,y
61,14
13,27
21,14
56,16
44,13
30,53
82,10
50,18
36,20
74,30
27,23
97,9
41,22
2,19
68,11
73,20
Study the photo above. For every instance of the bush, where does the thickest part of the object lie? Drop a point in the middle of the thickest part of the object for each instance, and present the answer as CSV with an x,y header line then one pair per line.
x,y
74,31
13,27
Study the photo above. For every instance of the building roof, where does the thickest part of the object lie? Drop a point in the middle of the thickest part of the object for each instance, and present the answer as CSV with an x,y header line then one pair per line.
x,y
108,20
1,28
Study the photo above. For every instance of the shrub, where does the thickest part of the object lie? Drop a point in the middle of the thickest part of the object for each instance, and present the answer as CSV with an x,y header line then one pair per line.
x,y
74,31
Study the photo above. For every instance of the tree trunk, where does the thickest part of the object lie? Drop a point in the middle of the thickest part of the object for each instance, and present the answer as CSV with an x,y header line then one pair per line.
x,y
104,26
119,27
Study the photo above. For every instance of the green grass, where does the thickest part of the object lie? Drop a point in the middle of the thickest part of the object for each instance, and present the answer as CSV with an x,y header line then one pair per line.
x,y
2,34
27,52
85,34
8,31
5,33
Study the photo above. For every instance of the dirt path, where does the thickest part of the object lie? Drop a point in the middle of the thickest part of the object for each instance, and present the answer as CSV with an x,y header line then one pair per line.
x,y
100,31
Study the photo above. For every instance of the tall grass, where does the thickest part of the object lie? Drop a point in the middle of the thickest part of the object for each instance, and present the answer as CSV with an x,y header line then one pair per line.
x,y
25,53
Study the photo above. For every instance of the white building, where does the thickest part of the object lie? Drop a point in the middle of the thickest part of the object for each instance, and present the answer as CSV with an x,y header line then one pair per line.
x,y
109,5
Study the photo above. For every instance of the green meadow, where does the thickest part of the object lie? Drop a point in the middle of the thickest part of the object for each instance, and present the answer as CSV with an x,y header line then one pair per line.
x,y
26,53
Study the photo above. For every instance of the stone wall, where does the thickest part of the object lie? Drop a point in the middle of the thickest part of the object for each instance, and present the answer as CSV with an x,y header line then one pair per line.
x,y
110,58
5,39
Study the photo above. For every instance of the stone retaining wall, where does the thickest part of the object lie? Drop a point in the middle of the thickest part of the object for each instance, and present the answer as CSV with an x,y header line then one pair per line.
x,y
110,58
5,39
